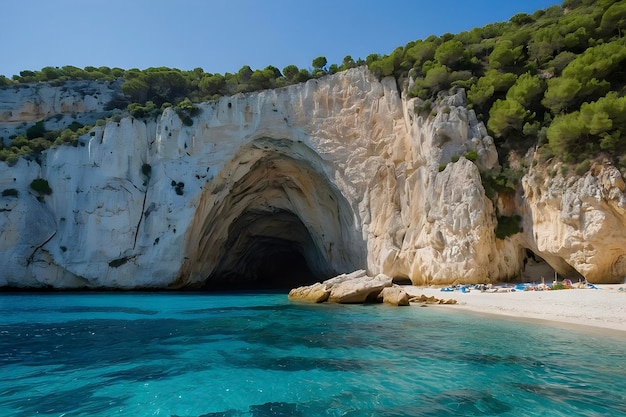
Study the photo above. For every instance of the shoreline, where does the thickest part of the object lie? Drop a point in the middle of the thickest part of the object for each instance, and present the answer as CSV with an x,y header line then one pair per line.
x,y
601,309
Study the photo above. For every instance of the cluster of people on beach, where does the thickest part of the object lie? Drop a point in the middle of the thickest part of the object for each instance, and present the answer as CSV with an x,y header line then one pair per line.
x,y
555,285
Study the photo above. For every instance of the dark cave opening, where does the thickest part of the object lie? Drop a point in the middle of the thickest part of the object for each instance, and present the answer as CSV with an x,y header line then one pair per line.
x,y
268,251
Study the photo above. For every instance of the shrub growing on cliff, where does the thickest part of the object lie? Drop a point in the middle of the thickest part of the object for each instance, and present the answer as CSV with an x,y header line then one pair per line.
x,y
41,186
471,156
423,107
148,110
19,141
500,182
508,226
583,167
4,81
36,131
186,110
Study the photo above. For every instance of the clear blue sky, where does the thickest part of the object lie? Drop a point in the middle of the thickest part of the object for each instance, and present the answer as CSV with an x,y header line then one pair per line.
x,y
223,35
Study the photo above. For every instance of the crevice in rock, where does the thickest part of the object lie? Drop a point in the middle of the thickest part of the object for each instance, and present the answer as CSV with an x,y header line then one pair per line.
x,y
144,212
32,255
116,263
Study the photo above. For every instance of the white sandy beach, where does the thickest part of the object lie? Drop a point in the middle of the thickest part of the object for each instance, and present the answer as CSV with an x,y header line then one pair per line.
x,y
603,308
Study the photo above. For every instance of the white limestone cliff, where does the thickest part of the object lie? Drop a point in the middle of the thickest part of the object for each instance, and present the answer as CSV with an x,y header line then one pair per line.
x,y
341,173
578,224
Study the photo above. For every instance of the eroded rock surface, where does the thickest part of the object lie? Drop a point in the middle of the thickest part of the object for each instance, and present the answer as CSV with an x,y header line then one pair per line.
x,y
315,293
578,224
354,288
351,289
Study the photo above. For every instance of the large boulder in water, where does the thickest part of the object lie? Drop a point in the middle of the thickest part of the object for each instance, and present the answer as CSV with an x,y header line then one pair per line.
x,y
353,288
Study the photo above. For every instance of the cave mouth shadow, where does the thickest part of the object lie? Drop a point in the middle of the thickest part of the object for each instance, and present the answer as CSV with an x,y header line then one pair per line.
x,y
268,251
275,216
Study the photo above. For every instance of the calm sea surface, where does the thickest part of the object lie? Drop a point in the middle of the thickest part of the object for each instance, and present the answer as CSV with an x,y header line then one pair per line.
x,y
190,354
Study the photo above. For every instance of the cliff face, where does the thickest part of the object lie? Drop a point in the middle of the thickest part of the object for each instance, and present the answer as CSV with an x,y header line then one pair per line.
x,y
75,101
578,224
285,187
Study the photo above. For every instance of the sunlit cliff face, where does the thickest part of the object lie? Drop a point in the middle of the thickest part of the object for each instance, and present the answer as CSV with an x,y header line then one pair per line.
x,y
271,220
283,187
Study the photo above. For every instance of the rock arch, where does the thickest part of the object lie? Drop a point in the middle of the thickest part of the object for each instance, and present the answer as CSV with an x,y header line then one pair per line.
x,y
272,218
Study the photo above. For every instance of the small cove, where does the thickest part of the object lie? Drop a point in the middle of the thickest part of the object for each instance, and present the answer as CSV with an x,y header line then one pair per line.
x,y
257,354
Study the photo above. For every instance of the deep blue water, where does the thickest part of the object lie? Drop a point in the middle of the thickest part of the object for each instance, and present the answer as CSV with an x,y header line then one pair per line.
x,y
190,354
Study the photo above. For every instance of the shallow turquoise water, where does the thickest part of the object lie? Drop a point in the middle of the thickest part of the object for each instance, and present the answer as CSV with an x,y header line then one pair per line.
x,y
190,354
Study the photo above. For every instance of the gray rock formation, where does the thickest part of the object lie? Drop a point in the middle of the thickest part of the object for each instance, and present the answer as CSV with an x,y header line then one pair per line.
x,y
288,187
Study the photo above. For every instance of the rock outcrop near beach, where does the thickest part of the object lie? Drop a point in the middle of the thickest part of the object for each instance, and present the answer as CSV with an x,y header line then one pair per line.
x,y
354,288
287,187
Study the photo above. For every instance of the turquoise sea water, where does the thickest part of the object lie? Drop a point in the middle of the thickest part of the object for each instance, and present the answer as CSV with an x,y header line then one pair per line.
x,y
191,354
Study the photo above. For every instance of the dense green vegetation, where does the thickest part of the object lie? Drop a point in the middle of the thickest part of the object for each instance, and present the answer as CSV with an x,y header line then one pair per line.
x,y
164,85
554,80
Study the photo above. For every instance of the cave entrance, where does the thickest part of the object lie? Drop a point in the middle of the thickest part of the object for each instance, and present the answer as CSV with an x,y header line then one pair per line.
x,y
272,218
268,250
548,268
